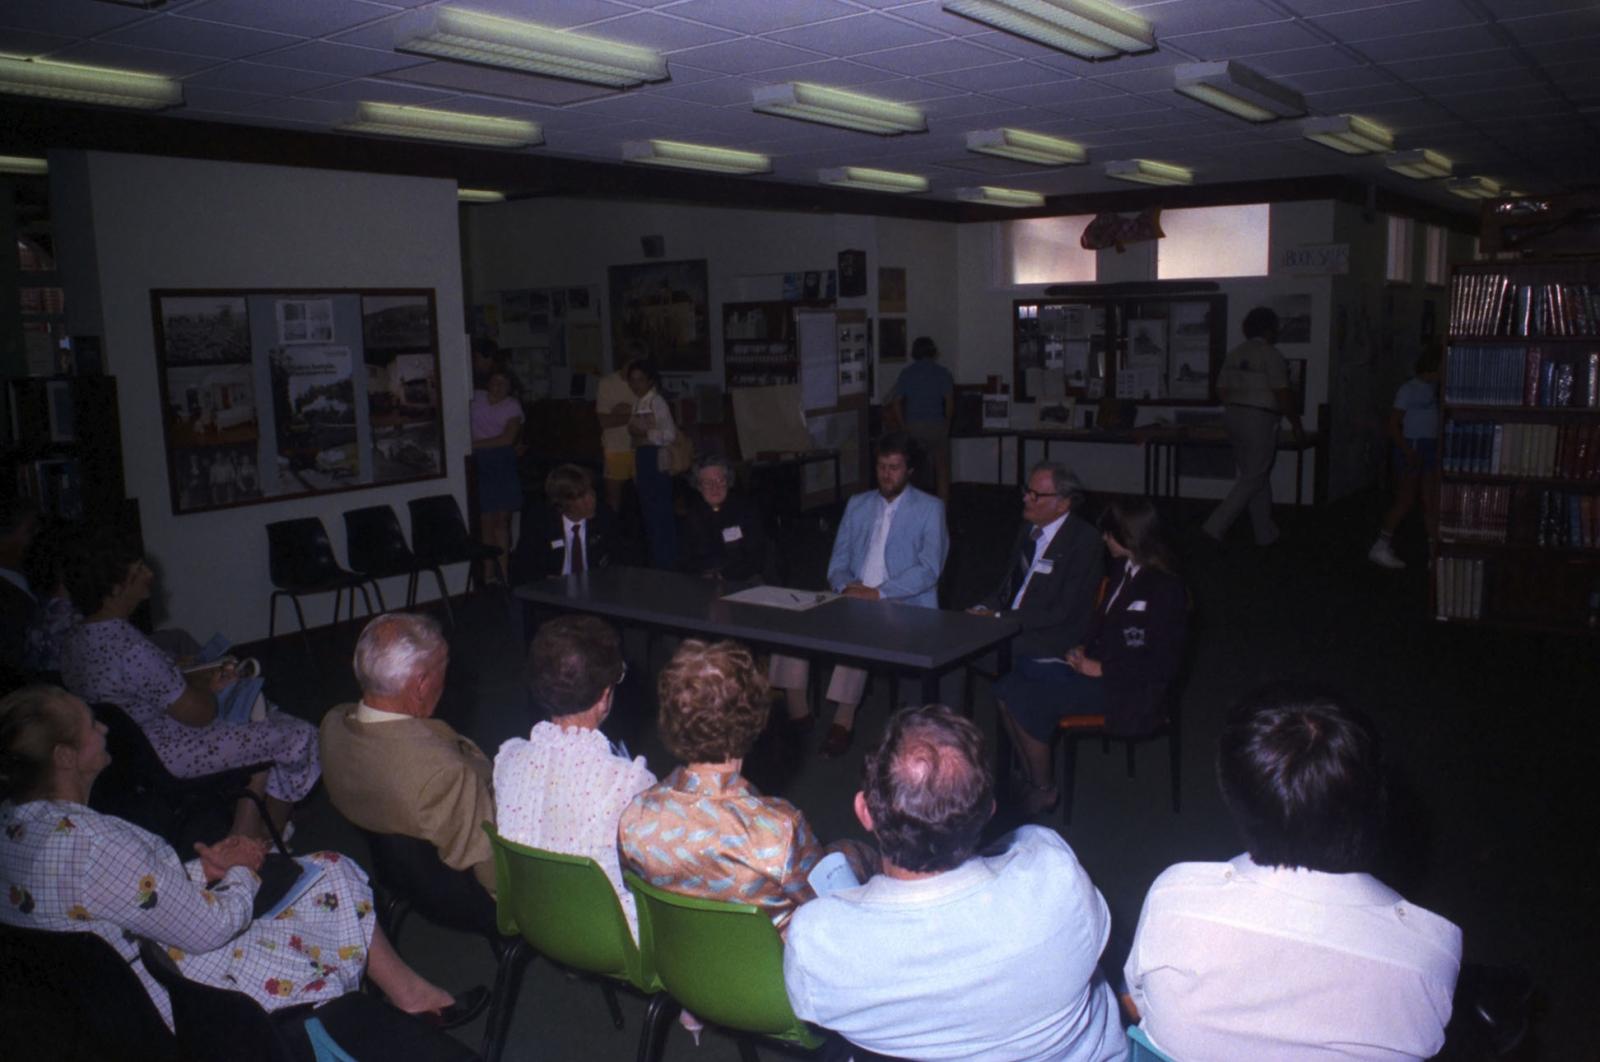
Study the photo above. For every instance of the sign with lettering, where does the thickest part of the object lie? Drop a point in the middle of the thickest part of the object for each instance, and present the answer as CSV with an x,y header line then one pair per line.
x,y
1316,259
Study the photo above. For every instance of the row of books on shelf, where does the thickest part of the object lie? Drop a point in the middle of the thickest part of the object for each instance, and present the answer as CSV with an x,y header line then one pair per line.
x,y
1477,374
55,484
1458,588
1548,451
1493,304
1552,519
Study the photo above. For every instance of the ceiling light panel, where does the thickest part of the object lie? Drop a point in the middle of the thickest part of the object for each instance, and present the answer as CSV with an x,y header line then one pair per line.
x,y
1349,133
87,84
1474,188
831,106
1148,171
681,155
1421,164
872,180
1238,90
1024,146
489,40
479,195
22,166
424,123
1089,29
1004,197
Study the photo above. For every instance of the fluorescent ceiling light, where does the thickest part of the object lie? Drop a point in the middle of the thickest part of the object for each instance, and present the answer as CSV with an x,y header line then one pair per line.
x,y
1005,197
1090,29
1474,188
695,157
489,40
1240,91
1349,133
87,84
26,166
831,106
1422,164
873,180
1146,171
392,119
480,195
1027,147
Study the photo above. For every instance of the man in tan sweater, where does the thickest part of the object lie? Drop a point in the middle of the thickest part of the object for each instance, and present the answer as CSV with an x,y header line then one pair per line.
x,y
392,768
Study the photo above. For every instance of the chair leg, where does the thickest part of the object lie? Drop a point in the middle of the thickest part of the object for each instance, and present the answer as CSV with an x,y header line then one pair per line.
x,y
364,599
382,605
300,617
272,615
1069,770
444,593
612,1006
411,590
507,977
657,1021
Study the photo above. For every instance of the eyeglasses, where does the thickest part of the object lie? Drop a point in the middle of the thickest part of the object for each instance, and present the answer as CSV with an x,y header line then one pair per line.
x,y
1034,495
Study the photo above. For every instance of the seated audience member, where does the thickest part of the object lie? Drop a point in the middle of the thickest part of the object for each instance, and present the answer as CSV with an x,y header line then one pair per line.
x,y
949,954
106,658
1124,668
564,787
573,533
891,546
723,535
757,849
392,768
1293,950
1054,569
70,869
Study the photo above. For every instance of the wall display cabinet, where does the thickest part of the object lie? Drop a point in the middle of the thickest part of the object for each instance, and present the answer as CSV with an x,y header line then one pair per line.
x,y
1519,506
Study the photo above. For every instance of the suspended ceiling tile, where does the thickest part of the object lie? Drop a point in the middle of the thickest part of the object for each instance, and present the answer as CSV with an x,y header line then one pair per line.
x,y
380,91
1012,74
1247,40
204,98
856,35
1423,45
741,16
1397,19
661,32
258,78
935,58
1177,17
838,72
303,18
23,42
1565,26
323,57
749,55
140,60
1296,62
79,18
174,34
560,14
546,90
723,91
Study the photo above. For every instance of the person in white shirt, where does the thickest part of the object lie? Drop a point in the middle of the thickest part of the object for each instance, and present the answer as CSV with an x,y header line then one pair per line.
x,y
563,788
1414,429
1293,951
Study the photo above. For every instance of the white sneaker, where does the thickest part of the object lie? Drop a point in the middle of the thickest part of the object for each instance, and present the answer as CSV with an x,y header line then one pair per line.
x,y
1382,554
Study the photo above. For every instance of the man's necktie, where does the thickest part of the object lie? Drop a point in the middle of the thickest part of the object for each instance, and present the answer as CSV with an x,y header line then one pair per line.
x,y
577,548
1030,547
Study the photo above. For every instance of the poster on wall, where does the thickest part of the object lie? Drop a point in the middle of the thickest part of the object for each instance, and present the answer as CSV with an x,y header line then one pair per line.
x,y
550,336
1189,372
261,402
1294,317
661,310
891,289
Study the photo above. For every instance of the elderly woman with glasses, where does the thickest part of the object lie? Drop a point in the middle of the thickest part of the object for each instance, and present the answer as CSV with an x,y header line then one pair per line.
x,y
723,536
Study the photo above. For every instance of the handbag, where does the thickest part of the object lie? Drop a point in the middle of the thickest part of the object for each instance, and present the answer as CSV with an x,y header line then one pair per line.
x,y
678,455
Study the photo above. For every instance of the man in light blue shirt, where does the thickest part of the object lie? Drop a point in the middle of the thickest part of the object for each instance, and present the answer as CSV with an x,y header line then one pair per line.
x,y
923,398
948,954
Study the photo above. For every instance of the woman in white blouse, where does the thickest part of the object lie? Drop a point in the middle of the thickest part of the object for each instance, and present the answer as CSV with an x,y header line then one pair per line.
x,y
653,431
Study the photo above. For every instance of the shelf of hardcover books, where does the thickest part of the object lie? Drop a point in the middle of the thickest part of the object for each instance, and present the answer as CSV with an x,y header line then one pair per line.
x,y
1519,501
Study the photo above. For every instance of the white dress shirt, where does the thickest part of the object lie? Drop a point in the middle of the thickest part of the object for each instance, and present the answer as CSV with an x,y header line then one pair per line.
x,y
1047,534
1238,961
874,569
566,543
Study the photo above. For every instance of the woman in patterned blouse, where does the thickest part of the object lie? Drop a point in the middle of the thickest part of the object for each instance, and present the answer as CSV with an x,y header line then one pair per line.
x,y
65,868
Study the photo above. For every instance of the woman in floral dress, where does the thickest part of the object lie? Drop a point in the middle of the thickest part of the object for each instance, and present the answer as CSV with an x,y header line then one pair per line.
x,y
65,868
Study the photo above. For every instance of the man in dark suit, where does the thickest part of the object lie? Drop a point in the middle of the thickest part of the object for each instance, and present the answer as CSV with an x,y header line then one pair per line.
x,y
1055,568
570,532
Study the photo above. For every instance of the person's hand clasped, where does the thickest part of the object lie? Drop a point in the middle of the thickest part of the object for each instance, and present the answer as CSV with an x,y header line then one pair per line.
x,y
222,676
861,593
980,610
232,851
1082,664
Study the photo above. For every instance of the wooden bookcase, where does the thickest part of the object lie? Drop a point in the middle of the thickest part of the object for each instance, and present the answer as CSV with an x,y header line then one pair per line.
x,y
1519,507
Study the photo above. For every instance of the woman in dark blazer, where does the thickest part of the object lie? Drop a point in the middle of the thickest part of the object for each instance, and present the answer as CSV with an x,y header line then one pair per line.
x,y
1126,667
722,536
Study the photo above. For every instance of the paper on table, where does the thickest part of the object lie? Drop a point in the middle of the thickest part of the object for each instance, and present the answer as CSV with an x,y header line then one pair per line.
x,y
831,874
780,597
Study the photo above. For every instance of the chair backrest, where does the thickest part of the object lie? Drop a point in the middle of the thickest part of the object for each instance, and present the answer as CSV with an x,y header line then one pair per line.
x,y
374,539
410,868
1140,1049
70,996
565,907
437,526
722,961
299,552
215,1024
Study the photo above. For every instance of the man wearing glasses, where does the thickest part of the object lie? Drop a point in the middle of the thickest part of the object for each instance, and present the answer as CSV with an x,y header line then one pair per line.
x,y
1055,569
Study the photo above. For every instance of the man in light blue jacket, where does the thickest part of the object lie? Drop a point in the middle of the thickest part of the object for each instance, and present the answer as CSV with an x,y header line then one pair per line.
x,y
891,546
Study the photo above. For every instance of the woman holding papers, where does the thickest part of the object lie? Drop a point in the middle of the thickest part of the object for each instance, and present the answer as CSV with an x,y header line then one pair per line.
x,y
106,658
70,869
1124,670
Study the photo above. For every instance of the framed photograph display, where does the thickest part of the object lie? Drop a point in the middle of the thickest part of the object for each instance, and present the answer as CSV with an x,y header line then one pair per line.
x,y
273,394
661,310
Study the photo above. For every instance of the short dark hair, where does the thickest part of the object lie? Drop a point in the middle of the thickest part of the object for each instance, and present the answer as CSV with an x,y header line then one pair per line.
x,y
898,442
566,484
647,366
923,347
1427,361
1260,323
94,567
1136,526
713,702
1303,777
573,660
928,789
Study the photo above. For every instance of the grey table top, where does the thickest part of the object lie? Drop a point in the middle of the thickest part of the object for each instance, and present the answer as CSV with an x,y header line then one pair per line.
x,y
883,633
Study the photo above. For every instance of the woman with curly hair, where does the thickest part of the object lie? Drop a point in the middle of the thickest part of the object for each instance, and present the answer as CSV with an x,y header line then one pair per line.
x,y
704,830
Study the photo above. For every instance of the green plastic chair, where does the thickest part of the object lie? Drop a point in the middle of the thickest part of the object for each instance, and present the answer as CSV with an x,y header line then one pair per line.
x,y
1140,1049
722,962
565,908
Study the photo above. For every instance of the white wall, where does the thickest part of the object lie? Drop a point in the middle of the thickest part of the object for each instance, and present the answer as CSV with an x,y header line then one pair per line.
x,y
134,223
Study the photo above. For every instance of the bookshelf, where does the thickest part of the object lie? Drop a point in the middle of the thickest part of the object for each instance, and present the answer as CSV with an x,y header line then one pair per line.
x,y
760,347
1519,501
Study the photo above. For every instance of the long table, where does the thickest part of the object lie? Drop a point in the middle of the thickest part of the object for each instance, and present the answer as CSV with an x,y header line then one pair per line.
x,y
925,641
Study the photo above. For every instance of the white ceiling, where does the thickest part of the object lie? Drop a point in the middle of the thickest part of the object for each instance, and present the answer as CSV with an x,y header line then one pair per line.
x,y
1507,88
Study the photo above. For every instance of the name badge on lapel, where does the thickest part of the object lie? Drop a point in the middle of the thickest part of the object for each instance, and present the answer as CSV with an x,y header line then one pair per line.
x,y
558,543
1044,567
1136,606
732,534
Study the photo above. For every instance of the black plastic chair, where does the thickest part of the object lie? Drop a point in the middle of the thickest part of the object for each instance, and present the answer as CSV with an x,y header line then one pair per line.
x,y
70,997
138,787
439,536
301,562
218,1025
376,546
1073,727
408,876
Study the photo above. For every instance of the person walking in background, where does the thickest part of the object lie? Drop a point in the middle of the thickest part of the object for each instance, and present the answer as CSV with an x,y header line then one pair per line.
x,y
1254,388
1414,427
496,415
652,429
613,405
923,399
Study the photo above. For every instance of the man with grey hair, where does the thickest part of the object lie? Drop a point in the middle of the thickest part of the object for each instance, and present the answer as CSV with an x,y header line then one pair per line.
x,y
392,768
1055,567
